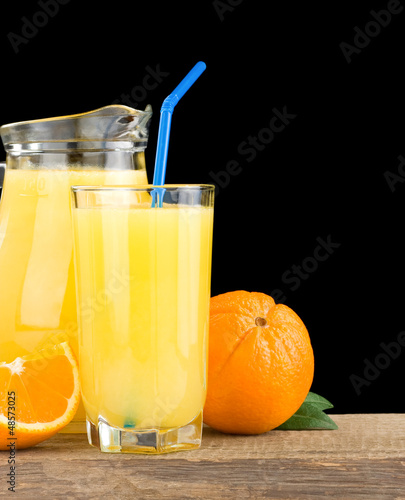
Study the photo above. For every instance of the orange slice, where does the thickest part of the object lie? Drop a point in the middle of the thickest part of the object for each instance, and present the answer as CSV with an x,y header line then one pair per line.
x,y
39,394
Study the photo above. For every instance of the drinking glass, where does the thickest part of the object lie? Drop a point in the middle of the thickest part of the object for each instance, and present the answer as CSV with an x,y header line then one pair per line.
x,y
143,270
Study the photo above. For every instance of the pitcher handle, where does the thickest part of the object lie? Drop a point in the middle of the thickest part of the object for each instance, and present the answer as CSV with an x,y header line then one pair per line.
x,y
2,170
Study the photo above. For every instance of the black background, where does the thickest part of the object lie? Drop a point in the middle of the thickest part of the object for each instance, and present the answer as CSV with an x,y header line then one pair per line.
x,y
324,177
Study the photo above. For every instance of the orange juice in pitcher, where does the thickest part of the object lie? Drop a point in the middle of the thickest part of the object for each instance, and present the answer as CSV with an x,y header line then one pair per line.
x,y
44,158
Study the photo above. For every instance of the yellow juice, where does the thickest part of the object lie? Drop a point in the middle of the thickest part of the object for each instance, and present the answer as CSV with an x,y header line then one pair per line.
x,y
143,280
37,285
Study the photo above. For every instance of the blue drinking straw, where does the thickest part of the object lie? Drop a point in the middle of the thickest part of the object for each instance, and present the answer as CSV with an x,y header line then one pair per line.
x,y
165,121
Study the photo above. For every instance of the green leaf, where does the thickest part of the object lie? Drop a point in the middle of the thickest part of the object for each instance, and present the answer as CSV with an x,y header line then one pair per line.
x,y
319,401
310,415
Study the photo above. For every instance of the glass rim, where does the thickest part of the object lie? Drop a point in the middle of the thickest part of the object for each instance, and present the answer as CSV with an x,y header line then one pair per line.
x,y
144,187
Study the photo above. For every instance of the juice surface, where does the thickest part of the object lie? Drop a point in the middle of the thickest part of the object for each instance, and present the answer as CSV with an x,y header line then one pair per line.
x,y
37,285
144,288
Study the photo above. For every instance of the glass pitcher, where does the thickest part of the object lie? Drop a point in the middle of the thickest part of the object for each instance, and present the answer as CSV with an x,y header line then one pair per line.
x,y
44,158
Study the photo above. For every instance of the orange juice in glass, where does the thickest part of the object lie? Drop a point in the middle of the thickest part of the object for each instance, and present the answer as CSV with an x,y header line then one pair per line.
x,y
44,158
143,283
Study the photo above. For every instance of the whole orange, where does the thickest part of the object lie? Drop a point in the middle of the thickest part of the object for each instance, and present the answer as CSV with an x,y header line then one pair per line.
x,y
260,365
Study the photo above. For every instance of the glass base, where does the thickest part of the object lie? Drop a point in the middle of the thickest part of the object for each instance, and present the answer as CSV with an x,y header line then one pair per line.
x,y
150,441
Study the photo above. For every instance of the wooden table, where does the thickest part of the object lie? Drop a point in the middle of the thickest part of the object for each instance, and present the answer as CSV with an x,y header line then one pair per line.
x,y
364,459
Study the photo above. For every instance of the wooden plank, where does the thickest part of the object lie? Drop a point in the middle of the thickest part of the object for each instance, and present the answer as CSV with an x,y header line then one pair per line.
x,y
179,478
364,458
